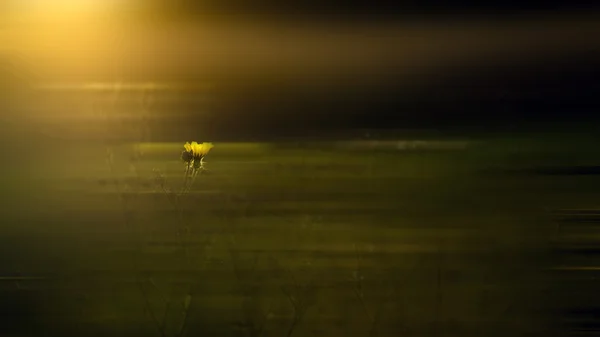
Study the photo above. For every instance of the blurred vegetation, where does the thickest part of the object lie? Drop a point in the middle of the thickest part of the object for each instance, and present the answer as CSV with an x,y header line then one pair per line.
x,y
316,241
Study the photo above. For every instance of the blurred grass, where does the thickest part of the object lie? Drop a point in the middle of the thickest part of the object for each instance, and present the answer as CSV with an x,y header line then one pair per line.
x,y
418,218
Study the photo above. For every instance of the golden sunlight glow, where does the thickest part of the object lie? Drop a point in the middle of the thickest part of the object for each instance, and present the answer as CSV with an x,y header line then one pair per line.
x,y
44,7
121,86
60,11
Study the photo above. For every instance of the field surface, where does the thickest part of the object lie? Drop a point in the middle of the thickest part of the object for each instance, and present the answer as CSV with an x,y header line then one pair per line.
x,y
398,238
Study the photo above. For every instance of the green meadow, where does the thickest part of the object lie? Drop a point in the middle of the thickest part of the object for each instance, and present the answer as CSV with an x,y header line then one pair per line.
x,y
295,239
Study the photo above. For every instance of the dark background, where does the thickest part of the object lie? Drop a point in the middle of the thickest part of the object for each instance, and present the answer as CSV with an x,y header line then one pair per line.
x,y
551,90
510,66
360,10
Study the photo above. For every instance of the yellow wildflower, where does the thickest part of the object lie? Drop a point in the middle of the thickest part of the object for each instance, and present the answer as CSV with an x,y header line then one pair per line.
x,y
200,150
194,151
188,147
